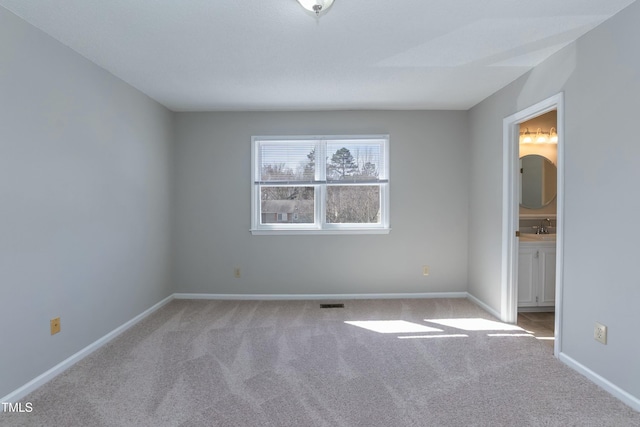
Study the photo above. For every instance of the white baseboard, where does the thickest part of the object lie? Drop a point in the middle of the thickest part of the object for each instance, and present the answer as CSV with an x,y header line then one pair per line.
x,y
67,363
280,297
484,306
613,389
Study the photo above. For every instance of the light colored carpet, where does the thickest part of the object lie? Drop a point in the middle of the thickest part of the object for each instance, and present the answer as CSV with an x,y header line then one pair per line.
x,y
290,363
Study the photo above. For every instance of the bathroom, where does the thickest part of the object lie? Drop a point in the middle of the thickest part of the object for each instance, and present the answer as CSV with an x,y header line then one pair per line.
x,y
537,224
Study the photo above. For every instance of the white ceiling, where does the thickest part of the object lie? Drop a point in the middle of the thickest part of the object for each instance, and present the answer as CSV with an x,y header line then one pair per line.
x,y
211,55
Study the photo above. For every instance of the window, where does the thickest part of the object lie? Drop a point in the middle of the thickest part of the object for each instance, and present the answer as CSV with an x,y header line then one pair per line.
x,y
320,185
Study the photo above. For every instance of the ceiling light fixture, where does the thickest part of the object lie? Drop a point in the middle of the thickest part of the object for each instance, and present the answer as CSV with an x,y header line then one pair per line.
x,y
540,137
316,7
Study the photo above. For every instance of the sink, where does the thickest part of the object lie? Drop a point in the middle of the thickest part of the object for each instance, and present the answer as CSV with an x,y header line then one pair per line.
x,y
530,237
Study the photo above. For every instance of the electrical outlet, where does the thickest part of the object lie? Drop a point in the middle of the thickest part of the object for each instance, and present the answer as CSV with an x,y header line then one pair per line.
x,y
600,333
55,325
425,270
236,272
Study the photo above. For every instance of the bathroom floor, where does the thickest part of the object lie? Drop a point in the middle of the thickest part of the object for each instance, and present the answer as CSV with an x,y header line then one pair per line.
x,y
540,324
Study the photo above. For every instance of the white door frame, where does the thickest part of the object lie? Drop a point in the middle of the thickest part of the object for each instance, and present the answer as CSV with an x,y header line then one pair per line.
x,y
510,211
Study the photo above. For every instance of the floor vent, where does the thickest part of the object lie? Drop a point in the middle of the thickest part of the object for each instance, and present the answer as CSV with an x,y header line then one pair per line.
x,y
331,305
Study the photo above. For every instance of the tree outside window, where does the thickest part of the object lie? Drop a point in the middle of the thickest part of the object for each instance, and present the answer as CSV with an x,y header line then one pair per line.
x,y
320,184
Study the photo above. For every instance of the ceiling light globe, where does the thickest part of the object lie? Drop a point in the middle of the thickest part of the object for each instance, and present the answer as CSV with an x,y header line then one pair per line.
x,y
541,137
525,138
316,7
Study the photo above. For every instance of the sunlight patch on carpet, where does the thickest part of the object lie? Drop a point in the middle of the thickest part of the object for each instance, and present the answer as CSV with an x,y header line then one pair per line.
x,y
475,324
392,326
510,335
433,336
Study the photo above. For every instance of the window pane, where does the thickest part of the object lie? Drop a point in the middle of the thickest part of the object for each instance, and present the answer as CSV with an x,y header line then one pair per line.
x,y
287,161
358,204
286,204
319,184
354,161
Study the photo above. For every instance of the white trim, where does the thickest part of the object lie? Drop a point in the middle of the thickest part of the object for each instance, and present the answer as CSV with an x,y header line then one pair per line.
x,y
326,231
510,212
483,305
70,361
298,297
626,397
559,227
509,273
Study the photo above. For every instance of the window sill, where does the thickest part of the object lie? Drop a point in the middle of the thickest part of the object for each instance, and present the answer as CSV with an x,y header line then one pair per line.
x,y
321,232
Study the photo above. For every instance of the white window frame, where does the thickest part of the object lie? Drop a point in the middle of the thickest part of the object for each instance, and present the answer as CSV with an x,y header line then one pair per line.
x,y
320,184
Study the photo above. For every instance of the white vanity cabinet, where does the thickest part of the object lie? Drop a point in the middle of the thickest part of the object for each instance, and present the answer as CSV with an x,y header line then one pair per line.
x,y
537,274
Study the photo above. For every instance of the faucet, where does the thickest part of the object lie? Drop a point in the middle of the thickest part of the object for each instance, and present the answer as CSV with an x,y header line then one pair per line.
x,y
542,229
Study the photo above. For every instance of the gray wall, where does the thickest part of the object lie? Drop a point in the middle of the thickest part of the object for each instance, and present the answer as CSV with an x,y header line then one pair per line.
x,y
84,202
429,208
600,77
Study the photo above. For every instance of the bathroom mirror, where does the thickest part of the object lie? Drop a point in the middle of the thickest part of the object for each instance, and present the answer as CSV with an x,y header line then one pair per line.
x,y
538,181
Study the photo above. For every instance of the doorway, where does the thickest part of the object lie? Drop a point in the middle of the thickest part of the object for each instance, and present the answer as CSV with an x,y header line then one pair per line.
x,y
511,211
